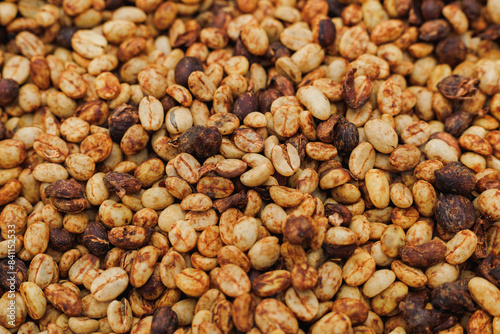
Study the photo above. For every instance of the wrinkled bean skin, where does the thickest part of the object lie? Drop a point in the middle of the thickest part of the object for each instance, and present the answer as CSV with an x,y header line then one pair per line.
x,y
453,297
455,178
421,319
424,255
454,212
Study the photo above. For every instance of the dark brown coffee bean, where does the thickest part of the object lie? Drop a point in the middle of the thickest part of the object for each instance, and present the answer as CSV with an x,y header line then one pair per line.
x,y
164,321
3,35
432,31
451,51
472,8
491,33
64,37
61,239
339,251
324,130
120,120
95,238
65,189
282,179
455,178
122,183
237,200
208,142
338,214
113,4
458,122
73,205
453,297
325,32
188,137
356,98
153,288
489,268
415,13
480,229
168,102
431,9
276,51
421,319
335,8
129,237
345,137
245,104
9,91
185,67
3,130
457,87
282,84
9,266
454,212
424,255
299,141
266,98
298,229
